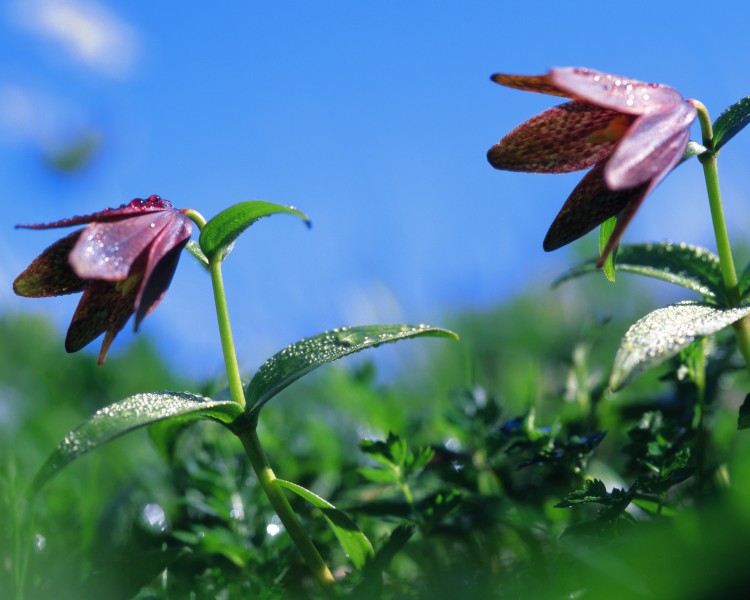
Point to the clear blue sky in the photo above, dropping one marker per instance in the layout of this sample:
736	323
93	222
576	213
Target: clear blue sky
373	118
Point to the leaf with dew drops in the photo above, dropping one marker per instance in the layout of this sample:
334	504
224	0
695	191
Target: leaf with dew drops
219	233
132	413
691	267
300	358
355	543
664	332
731	122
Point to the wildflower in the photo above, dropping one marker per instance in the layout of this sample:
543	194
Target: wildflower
123	262
630	133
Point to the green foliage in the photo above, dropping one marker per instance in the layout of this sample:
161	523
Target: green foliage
219	234
688	266
300	358
731	122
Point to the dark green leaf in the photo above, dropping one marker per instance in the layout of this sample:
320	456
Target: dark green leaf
605	232
300	358
352	540
743	421
220	232
731	122
691	267
129	414
593	490
127	577
664	332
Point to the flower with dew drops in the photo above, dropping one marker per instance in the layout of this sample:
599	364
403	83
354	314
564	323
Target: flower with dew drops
630	133
123	262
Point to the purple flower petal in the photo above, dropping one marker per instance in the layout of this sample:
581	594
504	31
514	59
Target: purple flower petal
134	207
50	274
163	257
614	92
591	203
569	137
107	250
652	147
530	83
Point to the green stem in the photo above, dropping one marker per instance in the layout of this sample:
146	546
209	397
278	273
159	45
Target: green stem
284	510
225	332
249	436
728	271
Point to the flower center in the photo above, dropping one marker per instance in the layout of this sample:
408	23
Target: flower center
614	130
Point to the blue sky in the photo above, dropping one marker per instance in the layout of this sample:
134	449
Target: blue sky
373	118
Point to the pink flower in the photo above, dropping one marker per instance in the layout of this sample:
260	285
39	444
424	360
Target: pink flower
630	133
123	262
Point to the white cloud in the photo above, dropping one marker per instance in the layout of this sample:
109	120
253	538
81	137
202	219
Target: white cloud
86	31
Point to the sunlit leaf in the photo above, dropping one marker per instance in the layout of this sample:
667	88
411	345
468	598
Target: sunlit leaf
132	413
300	358
691	267
605	232
356	545
731	122
220	232
664	332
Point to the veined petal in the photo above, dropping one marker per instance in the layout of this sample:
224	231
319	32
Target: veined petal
590	204
614	92
107	250
50	274
652	147
569	137
163	257
530	83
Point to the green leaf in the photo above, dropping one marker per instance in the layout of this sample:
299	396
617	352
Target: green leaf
125	578
743	420
664	332
219	233
132	413
195	249
352	540
605	232
691	267
731	122
300	358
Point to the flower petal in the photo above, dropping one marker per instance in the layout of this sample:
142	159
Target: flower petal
50	274
163	257
104	307
652	147
107	250
569	137
614	92
530	83
133	208
590	204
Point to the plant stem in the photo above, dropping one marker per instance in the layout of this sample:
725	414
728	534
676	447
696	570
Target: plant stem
284	510
225	332
728	272
248	434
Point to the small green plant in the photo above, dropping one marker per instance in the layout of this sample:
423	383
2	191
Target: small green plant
123	262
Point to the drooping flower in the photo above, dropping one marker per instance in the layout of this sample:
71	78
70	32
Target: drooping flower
123	262
630	133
